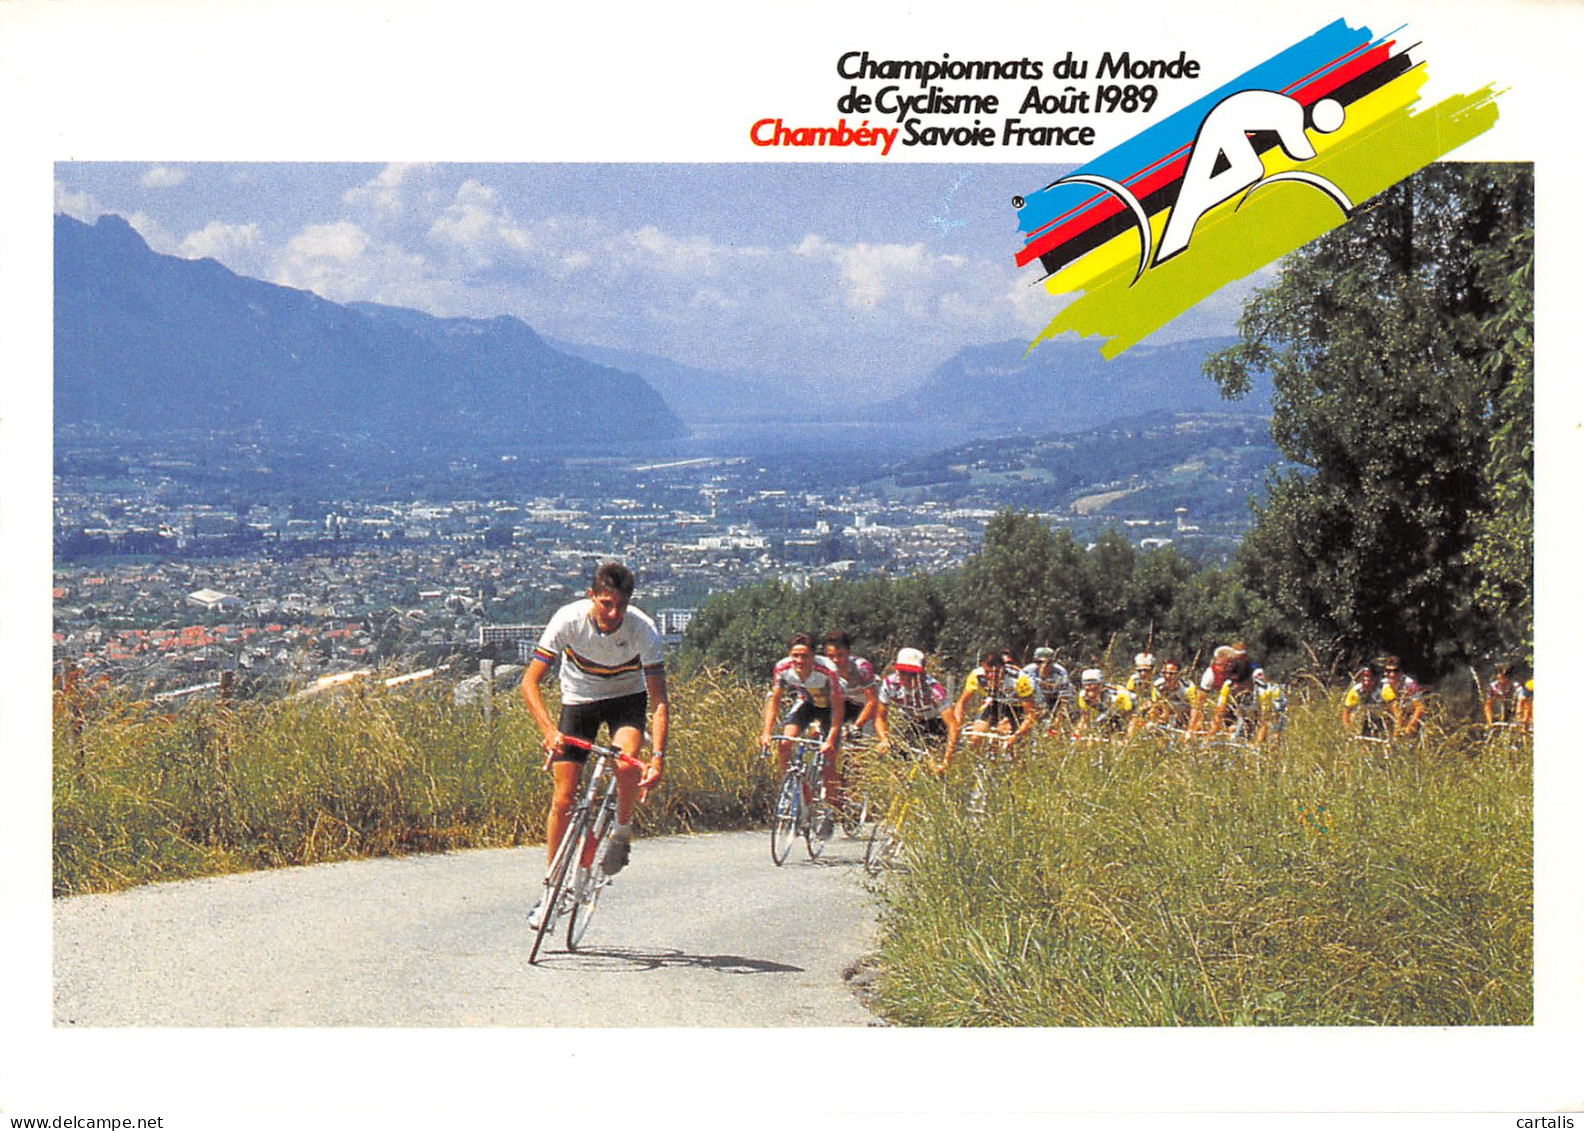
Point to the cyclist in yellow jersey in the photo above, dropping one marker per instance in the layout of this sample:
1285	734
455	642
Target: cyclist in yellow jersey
1173	703
1406	697
1101	707
1364	711
1009	705
1271	702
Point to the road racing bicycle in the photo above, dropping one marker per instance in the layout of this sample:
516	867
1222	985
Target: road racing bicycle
801	807
576	876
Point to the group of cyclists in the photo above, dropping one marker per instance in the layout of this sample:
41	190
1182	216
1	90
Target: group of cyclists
909	710
612	674
1232	701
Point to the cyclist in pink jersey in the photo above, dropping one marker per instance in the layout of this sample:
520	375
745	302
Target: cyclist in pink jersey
1507	700
859	685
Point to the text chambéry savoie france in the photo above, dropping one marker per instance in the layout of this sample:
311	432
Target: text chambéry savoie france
909	101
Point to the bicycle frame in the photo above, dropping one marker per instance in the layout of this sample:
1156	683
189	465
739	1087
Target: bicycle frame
885	846
592	816
792	815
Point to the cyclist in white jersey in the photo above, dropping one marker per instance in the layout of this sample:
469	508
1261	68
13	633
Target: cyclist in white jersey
1052	686
612	674
818	688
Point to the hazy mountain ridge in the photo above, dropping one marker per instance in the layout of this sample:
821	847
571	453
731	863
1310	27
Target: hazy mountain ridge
151	342
1005	388
1142	466
700	395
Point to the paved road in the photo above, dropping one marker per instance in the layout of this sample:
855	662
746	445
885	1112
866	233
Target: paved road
699	930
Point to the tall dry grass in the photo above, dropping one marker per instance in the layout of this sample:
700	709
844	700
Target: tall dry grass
1321	884
145	793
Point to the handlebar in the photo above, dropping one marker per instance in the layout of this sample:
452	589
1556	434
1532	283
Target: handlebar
622	758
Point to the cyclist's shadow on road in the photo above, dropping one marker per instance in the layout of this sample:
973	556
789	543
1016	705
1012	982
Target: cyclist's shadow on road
618	959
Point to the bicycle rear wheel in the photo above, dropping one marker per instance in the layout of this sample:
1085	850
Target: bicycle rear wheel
854	815
588	878
784	824
884	849
555	884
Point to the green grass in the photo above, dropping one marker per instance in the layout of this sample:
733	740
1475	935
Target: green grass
1317	886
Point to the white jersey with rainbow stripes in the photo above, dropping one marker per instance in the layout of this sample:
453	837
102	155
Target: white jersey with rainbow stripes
597	665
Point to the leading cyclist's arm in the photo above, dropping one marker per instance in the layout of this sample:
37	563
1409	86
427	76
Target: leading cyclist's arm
532	696
659	725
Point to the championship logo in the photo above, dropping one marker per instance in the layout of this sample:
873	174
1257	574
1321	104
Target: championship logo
1256	169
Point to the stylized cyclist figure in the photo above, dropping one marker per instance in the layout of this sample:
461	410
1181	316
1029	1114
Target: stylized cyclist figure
612	674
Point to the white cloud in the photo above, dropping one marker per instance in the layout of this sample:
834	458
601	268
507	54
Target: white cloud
78	205
343	263
401	198
162	176
228	243
870	274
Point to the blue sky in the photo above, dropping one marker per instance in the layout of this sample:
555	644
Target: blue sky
860	273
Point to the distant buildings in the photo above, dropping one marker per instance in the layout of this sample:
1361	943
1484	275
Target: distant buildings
213	601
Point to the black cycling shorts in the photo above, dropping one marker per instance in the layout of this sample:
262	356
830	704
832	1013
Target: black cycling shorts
806	712
583	720
996	712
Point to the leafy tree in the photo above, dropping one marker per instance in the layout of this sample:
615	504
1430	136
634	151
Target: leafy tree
1388	343
1010	592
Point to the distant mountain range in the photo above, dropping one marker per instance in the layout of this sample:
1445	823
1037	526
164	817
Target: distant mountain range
1065	386
151	342
700	395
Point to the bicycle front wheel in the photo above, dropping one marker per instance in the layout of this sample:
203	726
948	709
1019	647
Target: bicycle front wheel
588	878
784	824
555	884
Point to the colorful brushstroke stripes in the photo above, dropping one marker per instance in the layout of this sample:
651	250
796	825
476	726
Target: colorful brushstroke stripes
1090	241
